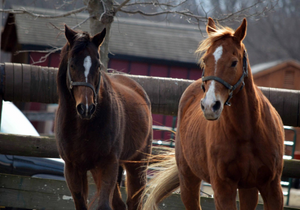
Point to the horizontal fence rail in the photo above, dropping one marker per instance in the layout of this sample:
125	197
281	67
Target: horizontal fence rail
28	83
46	147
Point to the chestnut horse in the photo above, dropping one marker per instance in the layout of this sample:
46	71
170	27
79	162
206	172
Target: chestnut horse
232	147
102	122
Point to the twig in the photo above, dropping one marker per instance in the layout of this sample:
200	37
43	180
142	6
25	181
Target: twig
43	58
64	4
82	22
121	5
236	14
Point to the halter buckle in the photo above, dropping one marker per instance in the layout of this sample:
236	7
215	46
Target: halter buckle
71	85
229	97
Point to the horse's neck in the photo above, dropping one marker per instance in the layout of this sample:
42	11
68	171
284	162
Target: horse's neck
242	115
63	92
106	89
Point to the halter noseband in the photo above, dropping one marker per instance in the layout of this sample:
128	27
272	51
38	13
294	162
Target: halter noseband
226	84
72	84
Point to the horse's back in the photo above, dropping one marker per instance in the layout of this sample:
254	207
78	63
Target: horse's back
126	84
138	119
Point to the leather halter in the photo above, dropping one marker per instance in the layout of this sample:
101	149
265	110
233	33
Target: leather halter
230	88
72	84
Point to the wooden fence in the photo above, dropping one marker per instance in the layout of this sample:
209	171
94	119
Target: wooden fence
26	83
46	147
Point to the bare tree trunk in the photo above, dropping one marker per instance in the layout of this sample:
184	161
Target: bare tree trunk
102	15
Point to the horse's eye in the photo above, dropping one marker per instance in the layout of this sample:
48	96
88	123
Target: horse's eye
233	64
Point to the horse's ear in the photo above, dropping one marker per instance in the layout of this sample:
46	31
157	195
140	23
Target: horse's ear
70	35
241	31
99	38
211	26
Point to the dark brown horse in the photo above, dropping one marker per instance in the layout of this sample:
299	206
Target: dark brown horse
102	122
232	147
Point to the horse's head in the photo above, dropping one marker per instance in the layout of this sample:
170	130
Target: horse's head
224	63
83	70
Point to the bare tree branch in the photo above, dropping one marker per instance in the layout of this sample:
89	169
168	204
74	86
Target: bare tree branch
121	5
153	3
186	13
24	11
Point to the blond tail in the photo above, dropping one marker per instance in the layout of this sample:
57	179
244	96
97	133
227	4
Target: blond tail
162	185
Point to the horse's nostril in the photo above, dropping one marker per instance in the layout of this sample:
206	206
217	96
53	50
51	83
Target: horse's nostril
81	109
92	108
217	106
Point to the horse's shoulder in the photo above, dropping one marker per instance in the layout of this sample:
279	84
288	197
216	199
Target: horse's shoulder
190	97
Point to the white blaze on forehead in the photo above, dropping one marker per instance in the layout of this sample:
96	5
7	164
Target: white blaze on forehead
210	94
217	54
87	63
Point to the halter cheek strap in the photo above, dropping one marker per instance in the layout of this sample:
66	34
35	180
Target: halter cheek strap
72	84
230	88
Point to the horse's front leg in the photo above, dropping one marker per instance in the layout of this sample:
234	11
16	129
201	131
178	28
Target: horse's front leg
78	185
272	195
224	193
105	176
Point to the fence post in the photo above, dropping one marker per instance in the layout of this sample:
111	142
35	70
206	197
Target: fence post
2	75
0	110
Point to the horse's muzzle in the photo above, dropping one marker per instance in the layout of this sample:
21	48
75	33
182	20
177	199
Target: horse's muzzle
86	111
211	111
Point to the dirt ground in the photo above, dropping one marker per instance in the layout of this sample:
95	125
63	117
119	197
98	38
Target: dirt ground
294	196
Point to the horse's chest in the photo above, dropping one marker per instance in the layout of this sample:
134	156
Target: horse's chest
245	169
86	146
